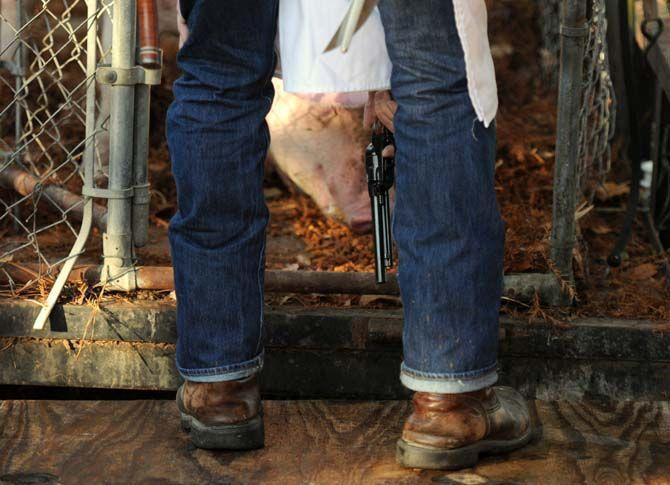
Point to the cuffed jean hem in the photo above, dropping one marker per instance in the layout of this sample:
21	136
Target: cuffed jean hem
224	373
448	384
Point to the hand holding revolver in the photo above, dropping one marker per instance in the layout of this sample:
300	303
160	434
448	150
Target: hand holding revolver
380	107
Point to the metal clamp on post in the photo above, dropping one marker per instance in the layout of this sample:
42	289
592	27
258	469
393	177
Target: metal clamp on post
141	194
582	31
106	74
107	193
153	71
118	278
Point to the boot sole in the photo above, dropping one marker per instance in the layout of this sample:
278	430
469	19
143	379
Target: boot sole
415	456
249	435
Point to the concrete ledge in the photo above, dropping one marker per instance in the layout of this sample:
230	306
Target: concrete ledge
328	352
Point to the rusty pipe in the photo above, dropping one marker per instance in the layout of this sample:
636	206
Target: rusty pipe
328	282
276	281
518	287
147	19
25	183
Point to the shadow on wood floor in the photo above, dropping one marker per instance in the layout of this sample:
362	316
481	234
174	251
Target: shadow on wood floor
318	442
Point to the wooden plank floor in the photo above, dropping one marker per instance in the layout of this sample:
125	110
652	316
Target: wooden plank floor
318	442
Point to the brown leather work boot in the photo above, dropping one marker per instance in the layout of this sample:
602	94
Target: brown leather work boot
222	415
450	431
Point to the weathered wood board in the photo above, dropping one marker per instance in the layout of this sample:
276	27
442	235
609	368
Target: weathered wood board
320	442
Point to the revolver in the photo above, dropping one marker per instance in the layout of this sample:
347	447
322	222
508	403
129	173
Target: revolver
380	172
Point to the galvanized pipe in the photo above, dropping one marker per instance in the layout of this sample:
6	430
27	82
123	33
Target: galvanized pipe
141	197
574	31
117	243
20	76
19	85
150	57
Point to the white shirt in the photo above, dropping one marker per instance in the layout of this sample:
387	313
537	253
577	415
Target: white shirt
307	26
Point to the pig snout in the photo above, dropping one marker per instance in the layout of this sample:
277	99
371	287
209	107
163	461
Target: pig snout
351	195
318	144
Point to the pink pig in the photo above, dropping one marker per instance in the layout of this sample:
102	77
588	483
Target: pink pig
318	140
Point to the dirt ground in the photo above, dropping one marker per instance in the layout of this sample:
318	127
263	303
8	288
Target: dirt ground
301	238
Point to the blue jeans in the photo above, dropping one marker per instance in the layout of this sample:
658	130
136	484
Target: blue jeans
447	223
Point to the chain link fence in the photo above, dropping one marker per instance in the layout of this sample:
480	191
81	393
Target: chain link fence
45	75
45	115
598	113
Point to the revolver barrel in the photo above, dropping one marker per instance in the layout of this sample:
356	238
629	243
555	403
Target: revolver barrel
380	173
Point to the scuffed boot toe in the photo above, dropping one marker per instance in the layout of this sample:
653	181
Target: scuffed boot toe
451	431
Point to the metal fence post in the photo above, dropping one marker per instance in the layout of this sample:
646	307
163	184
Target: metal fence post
19	69
117	240
574	31
141	198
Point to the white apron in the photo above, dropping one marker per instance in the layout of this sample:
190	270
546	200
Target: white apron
308	27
